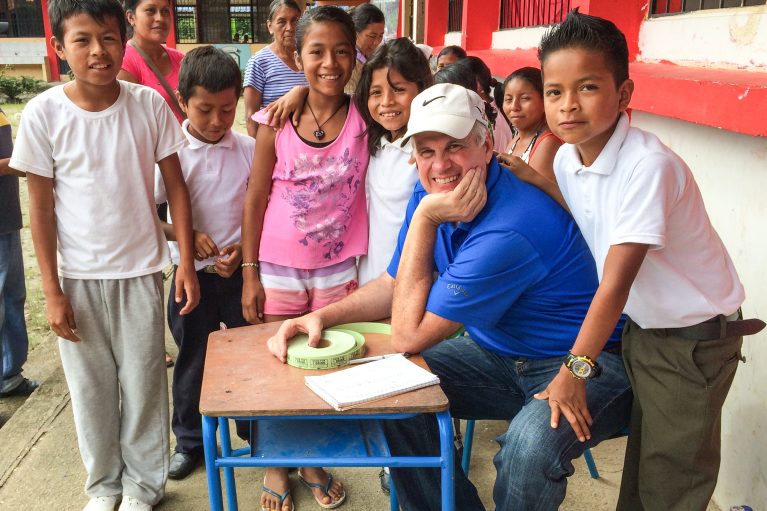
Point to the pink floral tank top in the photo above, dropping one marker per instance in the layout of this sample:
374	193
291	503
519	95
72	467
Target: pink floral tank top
316	215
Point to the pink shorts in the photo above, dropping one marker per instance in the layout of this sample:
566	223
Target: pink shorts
292	291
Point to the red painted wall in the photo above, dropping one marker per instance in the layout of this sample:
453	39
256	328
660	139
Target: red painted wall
435	24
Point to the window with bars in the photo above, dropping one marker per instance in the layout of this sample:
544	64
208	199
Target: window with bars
24	17
663	7
222	21
454	15
532	13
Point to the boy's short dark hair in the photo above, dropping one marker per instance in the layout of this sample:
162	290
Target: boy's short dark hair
61	10
210	68
590	33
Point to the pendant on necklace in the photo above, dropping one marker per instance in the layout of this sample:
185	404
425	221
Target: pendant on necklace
319	134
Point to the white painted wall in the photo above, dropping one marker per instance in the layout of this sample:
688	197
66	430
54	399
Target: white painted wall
453	38
735	38
731	171
518	39
22	51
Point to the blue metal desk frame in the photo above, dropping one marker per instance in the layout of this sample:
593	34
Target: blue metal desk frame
241	457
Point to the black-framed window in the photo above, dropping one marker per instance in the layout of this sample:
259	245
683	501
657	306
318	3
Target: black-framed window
664	7
24	17
222	21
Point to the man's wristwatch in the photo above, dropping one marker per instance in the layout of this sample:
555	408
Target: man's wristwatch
582	367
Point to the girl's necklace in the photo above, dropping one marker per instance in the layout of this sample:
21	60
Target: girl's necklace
319	133
529	146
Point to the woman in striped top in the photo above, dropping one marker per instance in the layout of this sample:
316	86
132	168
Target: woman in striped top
272	71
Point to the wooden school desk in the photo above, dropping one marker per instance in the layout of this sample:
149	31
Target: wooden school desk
243	380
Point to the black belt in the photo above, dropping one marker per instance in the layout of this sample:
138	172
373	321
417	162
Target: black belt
718	327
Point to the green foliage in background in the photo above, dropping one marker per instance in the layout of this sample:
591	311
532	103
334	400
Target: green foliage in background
13	87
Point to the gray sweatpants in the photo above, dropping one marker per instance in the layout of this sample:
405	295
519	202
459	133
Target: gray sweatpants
118	384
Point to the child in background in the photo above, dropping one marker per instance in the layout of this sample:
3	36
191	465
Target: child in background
449	55
393	76
304	222
486	84
533	144
216	165
104	297
659	259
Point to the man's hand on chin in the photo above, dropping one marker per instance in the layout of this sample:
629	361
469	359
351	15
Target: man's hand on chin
462	204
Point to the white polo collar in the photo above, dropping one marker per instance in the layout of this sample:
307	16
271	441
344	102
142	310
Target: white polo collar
406	148
195	143
608	158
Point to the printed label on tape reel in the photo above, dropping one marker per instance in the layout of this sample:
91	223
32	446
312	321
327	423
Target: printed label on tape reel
339	348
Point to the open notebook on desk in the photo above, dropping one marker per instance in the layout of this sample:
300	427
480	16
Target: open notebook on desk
369	382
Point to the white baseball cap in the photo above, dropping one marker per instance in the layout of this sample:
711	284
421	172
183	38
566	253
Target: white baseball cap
445	108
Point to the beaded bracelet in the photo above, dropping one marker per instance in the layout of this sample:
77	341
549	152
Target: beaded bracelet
251	265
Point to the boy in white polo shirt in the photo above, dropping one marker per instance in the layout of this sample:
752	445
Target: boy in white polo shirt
216	166
89	149
659	260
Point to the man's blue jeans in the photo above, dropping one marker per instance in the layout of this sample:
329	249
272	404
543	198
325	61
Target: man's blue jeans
534	460
14	343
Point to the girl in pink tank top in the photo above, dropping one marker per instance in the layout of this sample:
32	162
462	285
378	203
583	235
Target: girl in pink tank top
533	145
305	219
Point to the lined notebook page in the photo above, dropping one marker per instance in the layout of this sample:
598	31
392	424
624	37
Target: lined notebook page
370	381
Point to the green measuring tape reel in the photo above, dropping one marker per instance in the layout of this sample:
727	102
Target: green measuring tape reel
340	346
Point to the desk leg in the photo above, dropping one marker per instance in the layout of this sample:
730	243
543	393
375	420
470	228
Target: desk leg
448	467
214	478
393	501
226	451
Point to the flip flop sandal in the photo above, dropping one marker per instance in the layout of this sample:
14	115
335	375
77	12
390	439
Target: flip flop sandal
324	487
281	498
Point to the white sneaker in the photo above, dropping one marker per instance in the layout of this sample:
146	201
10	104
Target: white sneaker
101	504
133	504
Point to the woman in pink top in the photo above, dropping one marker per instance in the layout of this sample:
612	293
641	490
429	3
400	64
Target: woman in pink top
305	220
150	21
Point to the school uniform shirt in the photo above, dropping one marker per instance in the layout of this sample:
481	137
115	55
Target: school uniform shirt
640	191
389	185
102	166
217	178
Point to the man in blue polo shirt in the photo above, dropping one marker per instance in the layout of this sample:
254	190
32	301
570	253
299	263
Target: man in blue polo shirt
514	270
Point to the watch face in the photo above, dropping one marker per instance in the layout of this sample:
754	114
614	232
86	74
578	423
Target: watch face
581	368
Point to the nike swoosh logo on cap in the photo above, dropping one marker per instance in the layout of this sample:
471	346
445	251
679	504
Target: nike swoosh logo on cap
432	99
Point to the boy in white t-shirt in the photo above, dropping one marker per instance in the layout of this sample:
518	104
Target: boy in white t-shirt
216	165
89	148
658	259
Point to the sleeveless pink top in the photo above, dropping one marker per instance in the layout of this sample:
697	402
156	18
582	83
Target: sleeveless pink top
316	215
